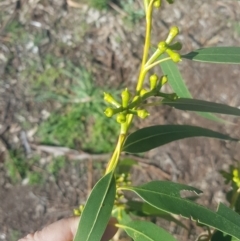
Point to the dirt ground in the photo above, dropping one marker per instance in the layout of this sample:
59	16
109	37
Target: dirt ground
110	47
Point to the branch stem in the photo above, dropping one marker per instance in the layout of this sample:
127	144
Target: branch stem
148	67
146	45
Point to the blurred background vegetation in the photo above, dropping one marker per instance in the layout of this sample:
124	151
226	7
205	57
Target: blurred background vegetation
51	79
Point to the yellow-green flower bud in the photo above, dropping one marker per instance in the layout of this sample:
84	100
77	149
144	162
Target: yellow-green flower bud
174	31
142	114
162	46
76	212
81	207
109	112
153	81
236	177
157	4
174	55
121	118
109	98
163	80
125	98
143	92
177	46
136	99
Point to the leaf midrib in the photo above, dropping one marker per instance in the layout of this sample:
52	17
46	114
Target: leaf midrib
212	54
175	77
134	230
177	199
178	103
100	208
165	133
201	105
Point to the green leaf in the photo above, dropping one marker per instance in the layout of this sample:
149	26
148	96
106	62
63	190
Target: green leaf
220	236
146	231
202	106
178	85
166	196
121	216
226	55
125	165
97	211
175	79
143	209
151	137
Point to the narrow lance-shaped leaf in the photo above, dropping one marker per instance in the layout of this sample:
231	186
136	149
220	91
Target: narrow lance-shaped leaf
146	231
143	209
97	210
201	105
151	137
178	85
175	78
220	236
167	196
222	55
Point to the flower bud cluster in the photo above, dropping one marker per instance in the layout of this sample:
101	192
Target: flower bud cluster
165	46
127	107
122	180
78	211
156	83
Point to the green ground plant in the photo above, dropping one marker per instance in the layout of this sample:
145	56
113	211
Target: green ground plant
80	112
133	14
57	164
14	235
108	195
19	167
98	4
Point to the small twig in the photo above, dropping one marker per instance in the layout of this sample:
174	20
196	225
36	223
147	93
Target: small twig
148	67
74	4
83	156
70	153
23	138
117	9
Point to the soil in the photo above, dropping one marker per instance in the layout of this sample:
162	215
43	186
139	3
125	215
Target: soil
111	48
